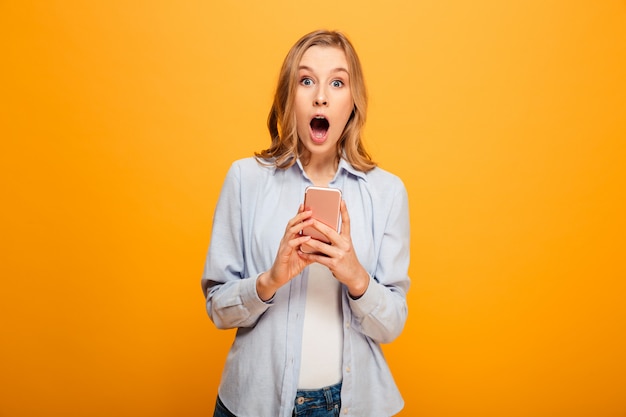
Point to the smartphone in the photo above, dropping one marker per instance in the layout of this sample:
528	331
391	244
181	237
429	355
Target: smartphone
325	203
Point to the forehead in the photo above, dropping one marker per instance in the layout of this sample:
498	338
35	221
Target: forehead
321	58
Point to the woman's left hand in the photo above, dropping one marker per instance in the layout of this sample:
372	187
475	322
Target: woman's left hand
339	255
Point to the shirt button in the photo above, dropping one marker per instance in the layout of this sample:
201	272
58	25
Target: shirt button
347	369
345	411
300	400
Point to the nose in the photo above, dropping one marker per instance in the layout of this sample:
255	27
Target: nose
320	98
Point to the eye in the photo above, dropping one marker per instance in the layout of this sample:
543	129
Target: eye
306	81
337	83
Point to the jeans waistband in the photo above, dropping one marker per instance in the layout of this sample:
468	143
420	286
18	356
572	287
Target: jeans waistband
327	397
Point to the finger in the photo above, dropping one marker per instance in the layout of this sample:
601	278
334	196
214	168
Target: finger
298	227
316	250
302	216
297	242
330	233
345	219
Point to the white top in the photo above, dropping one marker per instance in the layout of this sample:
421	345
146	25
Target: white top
322	337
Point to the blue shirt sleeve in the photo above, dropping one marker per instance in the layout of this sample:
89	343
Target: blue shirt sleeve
382	310
231	297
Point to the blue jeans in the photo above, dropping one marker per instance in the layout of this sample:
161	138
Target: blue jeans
221	410
325	402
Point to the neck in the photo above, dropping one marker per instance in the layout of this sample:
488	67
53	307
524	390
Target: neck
321	172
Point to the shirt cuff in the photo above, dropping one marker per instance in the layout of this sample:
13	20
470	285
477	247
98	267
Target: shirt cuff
369	301
256	294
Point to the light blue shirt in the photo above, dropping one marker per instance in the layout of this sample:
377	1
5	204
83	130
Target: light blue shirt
260	376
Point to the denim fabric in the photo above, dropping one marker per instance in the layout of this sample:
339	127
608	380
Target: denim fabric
221	410
325	402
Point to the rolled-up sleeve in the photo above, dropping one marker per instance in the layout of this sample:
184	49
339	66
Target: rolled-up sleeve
231	297
382	311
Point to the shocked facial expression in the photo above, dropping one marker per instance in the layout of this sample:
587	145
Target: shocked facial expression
323	100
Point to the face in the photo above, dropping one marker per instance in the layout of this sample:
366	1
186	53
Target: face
323	100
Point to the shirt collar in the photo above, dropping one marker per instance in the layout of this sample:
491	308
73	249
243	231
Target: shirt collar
346	166
343	166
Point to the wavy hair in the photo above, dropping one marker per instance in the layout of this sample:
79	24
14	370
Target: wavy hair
285	147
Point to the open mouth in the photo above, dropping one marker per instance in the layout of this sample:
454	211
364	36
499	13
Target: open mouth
319	127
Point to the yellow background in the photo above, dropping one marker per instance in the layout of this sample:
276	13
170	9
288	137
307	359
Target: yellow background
506	120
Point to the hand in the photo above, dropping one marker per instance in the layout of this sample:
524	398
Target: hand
288	263
339	256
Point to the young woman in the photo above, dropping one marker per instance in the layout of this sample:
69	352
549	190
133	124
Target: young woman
309	326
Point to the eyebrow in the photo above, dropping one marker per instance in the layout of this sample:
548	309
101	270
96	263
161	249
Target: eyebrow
338	69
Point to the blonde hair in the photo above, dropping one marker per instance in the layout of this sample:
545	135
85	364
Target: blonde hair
281	122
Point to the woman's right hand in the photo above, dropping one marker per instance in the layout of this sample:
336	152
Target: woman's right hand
288	262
